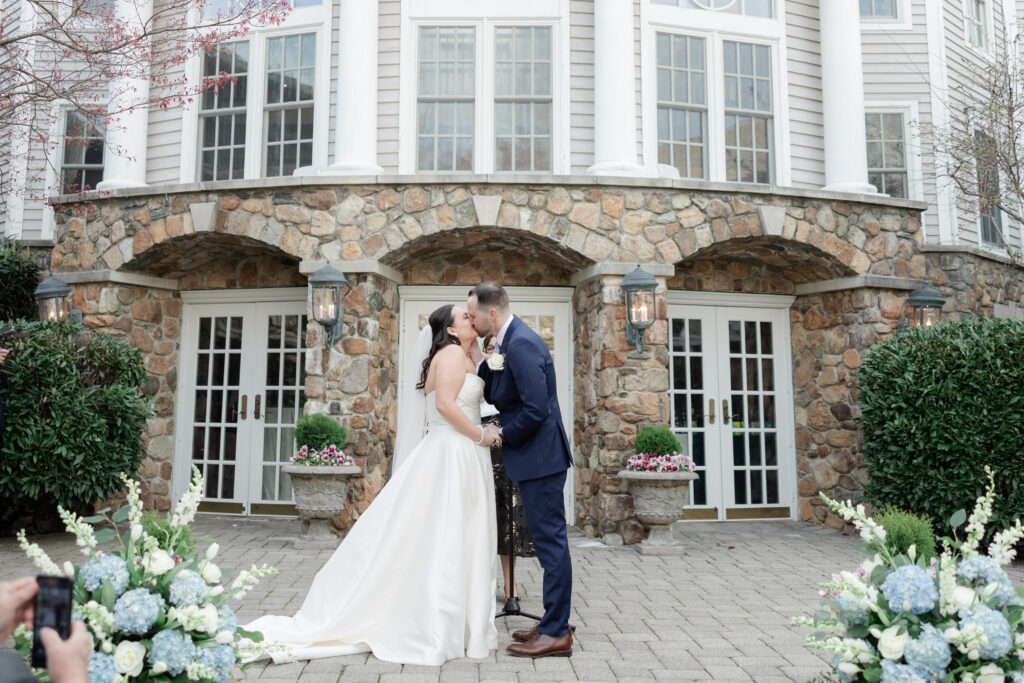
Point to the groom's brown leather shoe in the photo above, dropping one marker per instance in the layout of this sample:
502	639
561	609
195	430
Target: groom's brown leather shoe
543	646
525	635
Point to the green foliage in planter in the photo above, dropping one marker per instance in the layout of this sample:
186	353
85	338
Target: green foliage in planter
19	276
939	403
319	431
75	416
904	529
658	440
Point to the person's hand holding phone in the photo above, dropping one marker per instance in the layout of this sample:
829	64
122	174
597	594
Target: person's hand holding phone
67	661
16	604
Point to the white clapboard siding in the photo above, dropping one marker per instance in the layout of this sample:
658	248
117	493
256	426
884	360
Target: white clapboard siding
803	57
581	85
388	55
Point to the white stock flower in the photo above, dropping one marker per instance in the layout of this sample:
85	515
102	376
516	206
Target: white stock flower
209	617
1002	547
129	657
158	562
189	503
211	552
225	637
990	673
85	537
38	556
158	667
891	642
210	573
136	532
848	668
216	590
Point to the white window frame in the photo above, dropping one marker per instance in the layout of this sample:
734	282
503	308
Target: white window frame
317	20
903	21
1003	225
484	16
708	25
988	25
911	140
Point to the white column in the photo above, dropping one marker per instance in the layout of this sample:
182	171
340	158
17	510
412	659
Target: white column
355	129
842	88
124	158
615	149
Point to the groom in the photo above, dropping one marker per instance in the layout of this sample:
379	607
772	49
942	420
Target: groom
519	380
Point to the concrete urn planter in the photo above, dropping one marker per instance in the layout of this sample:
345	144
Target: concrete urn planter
658	498
320	493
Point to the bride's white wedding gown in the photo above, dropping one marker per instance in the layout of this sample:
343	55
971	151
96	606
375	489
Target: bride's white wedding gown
413	581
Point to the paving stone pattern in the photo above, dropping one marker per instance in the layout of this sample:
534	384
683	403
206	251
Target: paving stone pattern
720	612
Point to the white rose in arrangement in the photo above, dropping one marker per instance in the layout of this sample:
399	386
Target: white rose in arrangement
990	673
496	362
211	552
158	667
891	642
129	657
158	562
210	573
962	597
209	615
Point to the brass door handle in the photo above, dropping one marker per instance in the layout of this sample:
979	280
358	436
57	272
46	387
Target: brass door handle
726	417
256	408
245	404
711	408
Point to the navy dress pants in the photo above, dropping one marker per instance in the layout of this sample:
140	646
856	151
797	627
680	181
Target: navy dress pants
545	514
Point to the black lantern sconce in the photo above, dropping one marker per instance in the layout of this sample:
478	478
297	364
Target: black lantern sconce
922	308
54	299
638	288
327	285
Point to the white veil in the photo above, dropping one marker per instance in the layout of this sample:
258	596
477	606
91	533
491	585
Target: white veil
412	403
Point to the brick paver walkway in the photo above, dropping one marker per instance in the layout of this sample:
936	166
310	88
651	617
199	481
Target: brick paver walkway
719	612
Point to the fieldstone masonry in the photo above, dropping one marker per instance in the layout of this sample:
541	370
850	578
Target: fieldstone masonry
560	234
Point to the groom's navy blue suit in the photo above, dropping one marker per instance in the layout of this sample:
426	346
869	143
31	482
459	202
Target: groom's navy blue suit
537	454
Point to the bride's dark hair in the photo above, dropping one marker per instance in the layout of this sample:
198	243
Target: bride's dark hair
440	320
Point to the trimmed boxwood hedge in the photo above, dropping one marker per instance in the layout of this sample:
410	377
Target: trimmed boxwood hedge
75	417
939	403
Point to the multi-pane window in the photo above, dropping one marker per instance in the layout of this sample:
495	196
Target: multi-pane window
522	99
879	9
682	104
446	99
990	217
224	9
747	87
222	113
288	112
887	158
750	8
974	16
82	167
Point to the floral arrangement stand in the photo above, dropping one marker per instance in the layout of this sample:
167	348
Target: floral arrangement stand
320	484
658	485
156	610
899	618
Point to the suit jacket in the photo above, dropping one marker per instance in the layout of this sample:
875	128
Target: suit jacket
534	441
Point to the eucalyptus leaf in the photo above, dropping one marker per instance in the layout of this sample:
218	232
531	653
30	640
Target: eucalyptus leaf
105	535
121	514
254	636
957	518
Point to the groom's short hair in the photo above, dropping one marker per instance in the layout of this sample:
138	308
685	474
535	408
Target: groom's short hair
490	295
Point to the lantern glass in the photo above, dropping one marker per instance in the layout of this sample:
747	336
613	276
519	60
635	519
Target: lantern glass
325	304
54	308
928	316
640	308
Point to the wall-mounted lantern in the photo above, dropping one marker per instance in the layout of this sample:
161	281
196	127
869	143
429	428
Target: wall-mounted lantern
327	285
638	288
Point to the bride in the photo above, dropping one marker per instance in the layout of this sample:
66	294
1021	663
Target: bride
413	581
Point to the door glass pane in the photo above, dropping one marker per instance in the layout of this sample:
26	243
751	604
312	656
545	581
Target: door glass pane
284	393
216	397
688	398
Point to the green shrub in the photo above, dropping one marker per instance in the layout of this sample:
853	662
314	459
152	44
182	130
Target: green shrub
939	403
75	417
319	431
658	440
904	529
19	275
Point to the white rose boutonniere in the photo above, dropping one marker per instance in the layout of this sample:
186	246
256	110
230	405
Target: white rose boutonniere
496	362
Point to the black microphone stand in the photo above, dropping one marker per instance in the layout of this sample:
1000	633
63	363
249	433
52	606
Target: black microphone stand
511	608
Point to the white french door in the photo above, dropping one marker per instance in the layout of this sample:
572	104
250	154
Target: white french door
730	386
547	311
241	390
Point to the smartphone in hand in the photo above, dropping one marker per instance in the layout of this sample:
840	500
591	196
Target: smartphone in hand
52	609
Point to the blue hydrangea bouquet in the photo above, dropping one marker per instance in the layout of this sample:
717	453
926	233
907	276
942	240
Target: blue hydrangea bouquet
898	618
156	613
